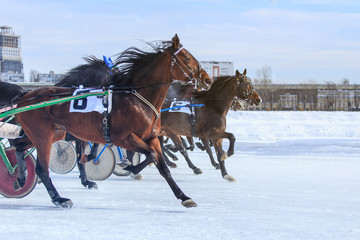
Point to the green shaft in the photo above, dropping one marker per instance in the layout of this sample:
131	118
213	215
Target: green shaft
4	157
50	102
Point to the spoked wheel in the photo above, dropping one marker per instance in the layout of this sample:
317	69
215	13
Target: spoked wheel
102	167
118	170
62	157
7	180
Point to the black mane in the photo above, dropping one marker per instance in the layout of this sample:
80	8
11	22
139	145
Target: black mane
133	60
93	74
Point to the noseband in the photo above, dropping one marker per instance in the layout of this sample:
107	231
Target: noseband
189	74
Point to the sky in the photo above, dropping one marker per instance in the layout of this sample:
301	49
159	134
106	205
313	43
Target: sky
301	41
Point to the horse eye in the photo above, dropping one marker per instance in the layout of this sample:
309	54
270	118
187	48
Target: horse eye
187	59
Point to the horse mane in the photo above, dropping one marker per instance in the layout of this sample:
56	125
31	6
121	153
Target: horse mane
10	93
94	73
131	61
219	83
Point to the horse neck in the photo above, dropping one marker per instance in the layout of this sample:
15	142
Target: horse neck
221	97
156	79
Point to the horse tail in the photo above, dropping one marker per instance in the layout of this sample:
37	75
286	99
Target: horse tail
10	93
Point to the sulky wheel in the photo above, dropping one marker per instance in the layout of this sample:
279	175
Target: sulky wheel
101	167
7	180
62	157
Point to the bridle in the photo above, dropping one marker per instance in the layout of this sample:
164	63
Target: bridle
189	74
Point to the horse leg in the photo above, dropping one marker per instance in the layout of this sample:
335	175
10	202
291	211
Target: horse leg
93	152
220	152
218	134
232	139
191	142
135	144
167	153
177	141
42	170
164	171
130	157
42	136
209	152
22	170
79	146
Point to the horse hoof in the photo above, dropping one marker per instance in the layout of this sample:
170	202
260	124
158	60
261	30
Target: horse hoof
189	203
229	178
173	165
230	153
136	176
175	159
63	202
91	185
217	166
197	171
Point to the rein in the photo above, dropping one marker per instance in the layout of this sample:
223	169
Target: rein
146	102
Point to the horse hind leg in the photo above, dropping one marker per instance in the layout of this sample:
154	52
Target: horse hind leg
210	153
167	153
55	197
177	141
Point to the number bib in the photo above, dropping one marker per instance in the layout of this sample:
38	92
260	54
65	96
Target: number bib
89	104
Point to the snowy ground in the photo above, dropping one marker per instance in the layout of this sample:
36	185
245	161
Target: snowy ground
298	177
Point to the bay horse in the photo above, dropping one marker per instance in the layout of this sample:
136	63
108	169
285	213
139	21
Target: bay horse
139	89
210	123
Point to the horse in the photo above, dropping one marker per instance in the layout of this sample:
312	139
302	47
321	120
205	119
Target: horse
92	74
139	89
217	102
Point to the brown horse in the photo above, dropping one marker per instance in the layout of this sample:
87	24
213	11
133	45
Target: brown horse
139	89
210	120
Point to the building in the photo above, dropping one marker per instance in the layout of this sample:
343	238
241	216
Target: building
215	69
11	66
50	77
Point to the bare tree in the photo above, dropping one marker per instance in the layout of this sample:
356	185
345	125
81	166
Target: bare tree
345	81
263	78
33	75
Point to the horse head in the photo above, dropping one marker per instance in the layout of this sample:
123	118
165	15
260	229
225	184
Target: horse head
245	89
186	64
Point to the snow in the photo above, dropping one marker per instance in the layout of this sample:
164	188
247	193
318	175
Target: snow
298	176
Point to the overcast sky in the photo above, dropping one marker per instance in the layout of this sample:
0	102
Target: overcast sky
301	40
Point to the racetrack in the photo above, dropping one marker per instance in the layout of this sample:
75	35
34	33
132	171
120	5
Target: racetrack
297	184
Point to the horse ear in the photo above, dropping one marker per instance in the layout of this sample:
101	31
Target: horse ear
244	73
237	73
176	41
